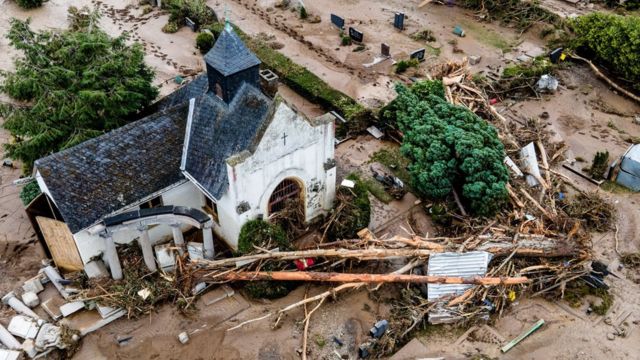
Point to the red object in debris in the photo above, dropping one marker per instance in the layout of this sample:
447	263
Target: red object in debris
302	264
493	101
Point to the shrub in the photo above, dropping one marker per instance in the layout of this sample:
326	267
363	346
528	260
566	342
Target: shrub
204	41
262	234
345	40
303	13
611	40
170	27
403	65
29	4
29	192
450	148
599	165
196	10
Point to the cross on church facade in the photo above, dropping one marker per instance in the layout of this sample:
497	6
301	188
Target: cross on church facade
284	138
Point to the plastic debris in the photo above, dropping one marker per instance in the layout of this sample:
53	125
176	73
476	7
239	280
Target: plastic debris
379	328
547	82
183	337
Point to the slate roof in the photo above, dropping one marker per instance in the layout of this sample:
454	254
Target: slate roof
229	55
219	131
101	175
195	88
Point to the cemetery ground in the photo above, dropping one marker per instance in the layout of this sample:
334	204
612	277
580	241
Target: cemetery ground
585	113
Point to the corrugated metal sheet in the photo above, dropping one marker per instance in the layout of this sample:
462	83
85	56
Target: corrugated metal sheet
455	264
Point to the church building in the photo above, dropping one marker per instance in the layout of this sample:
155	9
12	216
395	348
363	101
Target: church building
218	145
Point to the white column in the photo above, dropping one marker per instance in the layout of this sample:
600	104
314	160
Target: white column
147	250
17	305
207	236
8	340
178	238
111	255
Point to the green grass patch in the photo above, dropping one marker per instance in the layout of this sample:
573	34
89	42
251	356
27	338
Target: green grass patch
538	67
614	187
577	290
487	36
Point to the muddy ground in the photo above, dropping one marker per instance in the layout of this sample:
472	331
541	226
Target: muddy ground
584	113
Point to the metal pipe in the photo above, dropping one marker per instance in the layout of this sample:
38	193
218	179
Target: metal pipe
17	305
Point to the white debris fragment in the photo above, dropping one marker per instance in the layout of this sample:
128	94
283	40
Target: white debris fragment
144	293
33	285
30	299
183	337
348	183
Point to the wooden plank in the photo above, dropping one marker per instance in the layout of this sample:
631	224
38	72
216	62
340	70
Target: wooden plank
425	2
61	244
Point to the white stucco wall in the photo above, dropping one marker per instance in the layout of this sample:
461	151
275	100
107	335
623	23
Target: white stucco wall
300	155
185	194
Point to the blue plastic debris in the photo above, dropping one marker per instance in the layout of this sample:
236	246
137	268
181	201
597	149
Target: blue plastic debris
458	31
379	328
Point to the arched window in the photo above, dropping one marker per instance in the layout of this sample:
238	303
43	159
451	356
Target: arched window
287	189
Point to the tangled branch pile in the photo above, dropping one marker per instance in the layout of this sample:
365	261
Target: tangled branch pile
516	13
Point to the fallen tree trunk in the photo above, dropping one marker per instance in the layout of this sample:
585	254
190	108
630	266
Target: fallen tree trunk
602	76
367	278
524	245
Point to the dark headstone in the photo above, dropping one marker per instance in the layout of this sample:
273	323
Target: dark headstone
398	21
385	50
356	35
418	54
337	21
191	24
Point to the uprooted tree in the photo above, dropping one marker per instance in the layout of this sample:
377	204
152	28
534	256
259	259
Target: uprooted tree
611	40
450	148
73	85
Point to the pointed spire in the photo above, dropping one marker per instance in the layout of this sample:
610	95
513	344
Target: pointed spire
227	23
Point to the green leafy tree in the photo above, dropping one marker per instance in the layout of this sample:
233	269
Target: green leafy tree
613	40
450	148
29	4
73	85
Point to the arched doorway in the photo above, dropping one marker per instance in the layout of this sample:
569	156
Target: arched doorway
289	190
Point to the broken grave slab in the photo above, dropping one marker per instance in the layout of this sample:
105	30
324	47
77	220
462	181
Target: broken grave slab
71	307
23	326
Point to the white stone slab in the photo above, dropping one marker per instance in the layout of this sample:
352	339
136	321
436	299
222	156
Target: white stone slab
71	307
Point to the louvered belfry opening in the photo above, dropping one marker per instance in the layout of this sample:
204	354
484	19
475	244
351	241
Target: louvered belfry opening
286	190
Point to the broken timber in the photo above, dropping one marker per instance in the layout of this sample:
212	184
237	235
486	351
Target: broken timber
368	278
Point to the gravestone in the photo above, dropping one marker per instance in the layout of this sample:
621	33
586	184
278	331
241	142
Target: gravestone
398	21
337	21
356	35
385	50
418	54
